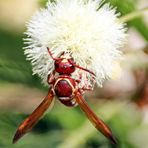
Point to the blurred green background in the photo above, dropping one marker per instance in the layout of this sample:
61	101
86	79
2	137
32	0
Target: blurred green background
122	103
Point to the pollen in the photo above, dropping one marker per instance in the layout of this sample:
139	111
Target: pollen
89	31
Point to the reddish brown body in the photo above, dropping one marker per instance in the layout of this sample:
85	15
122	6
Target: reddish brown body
64	87
67	91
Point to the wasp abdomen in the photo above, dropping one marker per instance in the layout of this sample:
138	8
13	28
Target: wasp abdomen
64	87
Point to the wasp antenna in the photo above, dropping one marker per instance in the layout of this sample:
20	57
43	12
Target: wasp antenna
50	53
74	64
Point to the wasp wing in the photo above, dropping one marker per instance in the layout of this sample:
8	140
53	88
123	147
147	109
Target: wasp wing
29	122
98	123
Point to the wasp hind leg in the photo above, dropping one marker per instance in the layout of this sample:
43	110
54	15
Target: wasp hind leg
96	121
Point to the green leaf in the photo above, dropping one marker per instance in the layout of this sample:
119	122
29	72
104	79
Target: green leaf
129	6
13	65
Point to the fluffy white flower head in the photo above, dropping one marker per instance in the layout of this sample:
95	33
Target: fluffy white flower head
92	36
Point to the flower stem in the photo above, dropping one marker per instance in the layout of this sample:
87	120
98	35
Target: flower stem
133	15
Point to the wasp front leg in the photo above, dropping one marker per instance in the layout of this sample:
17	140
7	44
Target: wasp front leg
51	78
86	87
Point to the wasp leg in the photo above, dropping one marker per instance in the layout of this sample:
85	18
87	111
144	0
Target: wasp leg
98	123
29	122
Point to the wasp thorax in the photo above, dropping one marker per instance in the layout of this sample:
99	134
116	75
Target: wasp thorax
63	66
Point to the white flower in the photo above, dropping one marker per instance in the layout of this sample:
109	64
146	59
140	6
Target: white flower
91	34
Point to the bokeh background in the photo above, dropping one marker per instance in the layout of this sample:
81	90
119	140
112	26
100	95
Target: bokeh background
122	102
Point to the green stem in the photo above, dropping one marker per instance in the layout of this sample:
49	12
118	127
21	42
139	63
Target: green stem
133	15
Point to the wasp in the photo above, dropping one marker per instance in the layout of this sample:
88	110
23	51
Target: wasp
68	92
